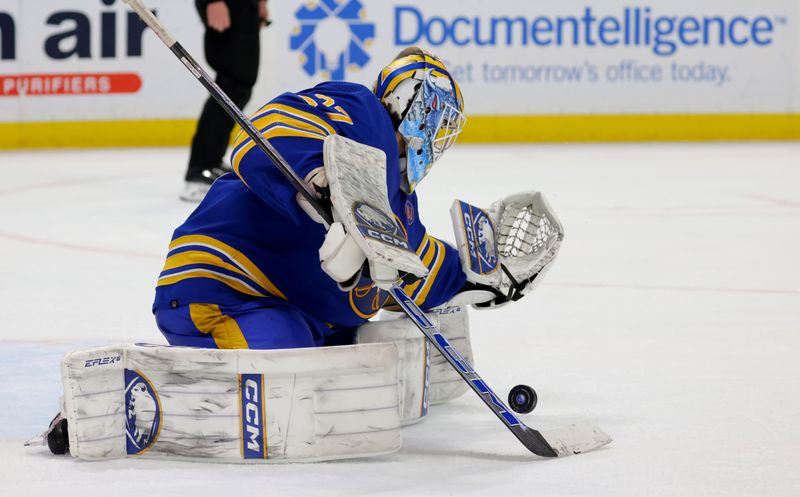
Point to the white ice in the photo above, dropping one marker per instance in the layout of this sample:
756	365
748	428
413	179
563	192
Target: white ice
671	320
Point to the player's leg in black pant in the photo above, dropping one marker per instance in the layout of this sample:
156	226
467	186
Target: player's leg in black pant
234	56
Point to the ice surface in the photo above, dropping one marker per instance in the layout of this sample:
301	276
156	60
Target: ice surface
671	320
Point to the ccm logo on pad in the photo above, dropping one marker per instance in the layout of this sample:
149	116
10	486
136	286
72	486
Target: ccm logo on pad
253	417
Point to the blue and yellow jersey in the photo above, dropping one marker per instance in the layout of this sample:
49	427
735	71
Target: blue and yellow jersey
250	240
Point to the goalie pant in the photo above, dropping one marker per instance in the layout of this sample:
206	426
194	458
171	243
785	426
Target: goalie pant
303	405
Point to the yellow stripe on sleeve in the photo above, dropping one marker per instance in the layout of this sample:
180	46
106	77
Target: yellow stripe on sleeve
232	282
289	122
303	115
341	116
200	257
410	289
437	264
279	131
239	134
238	258
296	117
429	250
293	122
273	133
225	331
431	247
423	244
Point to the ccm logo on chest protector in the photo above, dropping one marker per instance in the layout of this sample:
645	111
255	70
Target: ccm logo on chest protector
253	417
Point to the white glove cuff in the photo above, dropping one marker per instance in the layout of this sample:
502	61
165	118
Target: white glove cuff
308	209
383	276
339	254
314	179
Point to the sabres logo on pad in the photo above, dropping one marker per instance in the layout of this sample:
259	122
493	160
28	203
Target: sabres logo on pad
374	223
143	414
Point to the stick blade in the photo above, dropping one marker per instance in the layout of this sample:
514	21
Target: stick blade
575	438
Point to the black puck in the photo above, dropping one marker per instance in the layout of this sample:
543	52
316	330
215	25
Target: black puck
57	436
522	399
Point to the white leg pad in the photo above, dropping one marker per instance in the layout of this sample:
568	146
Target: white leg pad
295	405
425	376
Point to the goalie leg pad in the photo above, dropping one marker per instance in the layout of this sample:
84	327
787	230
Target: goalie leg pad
292	405
426	378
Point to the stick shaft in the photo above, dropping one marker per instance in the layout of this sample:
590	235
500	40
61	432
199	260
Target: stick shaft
529	437
216	92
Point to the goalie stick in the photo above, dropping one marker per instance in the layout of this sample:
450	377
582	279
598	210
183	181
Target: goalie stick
572	439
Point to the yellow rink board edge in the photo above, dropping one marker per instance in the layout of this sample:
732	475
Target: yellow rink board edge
479	129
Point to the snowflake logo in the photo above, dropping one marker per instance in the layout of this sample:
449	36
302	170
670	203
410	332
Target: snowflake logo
332	37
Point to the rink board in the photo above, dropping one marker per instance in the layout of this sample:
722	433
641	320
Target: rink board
91	75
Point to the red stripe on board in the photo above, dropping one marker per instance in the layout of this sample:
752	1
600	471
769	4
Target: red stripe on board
33	85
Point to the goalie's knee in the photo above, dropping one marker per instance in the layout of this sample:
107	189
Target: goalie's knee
425	376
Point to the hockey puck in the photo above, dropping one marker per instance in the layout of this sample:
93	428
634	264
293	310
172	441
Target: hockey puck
522	399
58	437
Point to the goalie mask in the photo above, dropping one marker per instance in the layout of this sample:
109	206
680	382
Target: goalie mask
426	106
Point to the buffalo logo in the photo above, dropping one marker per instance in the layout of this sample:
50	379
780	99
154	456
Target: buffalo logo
487	251
374	218
374	224
332	36
143	412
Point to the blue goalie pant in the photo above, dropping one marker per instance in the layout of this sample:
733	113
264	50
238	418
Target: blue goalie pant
264	324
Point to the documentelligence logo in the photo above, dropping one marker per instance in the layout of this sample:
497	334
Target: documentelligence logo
332	37
664	34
